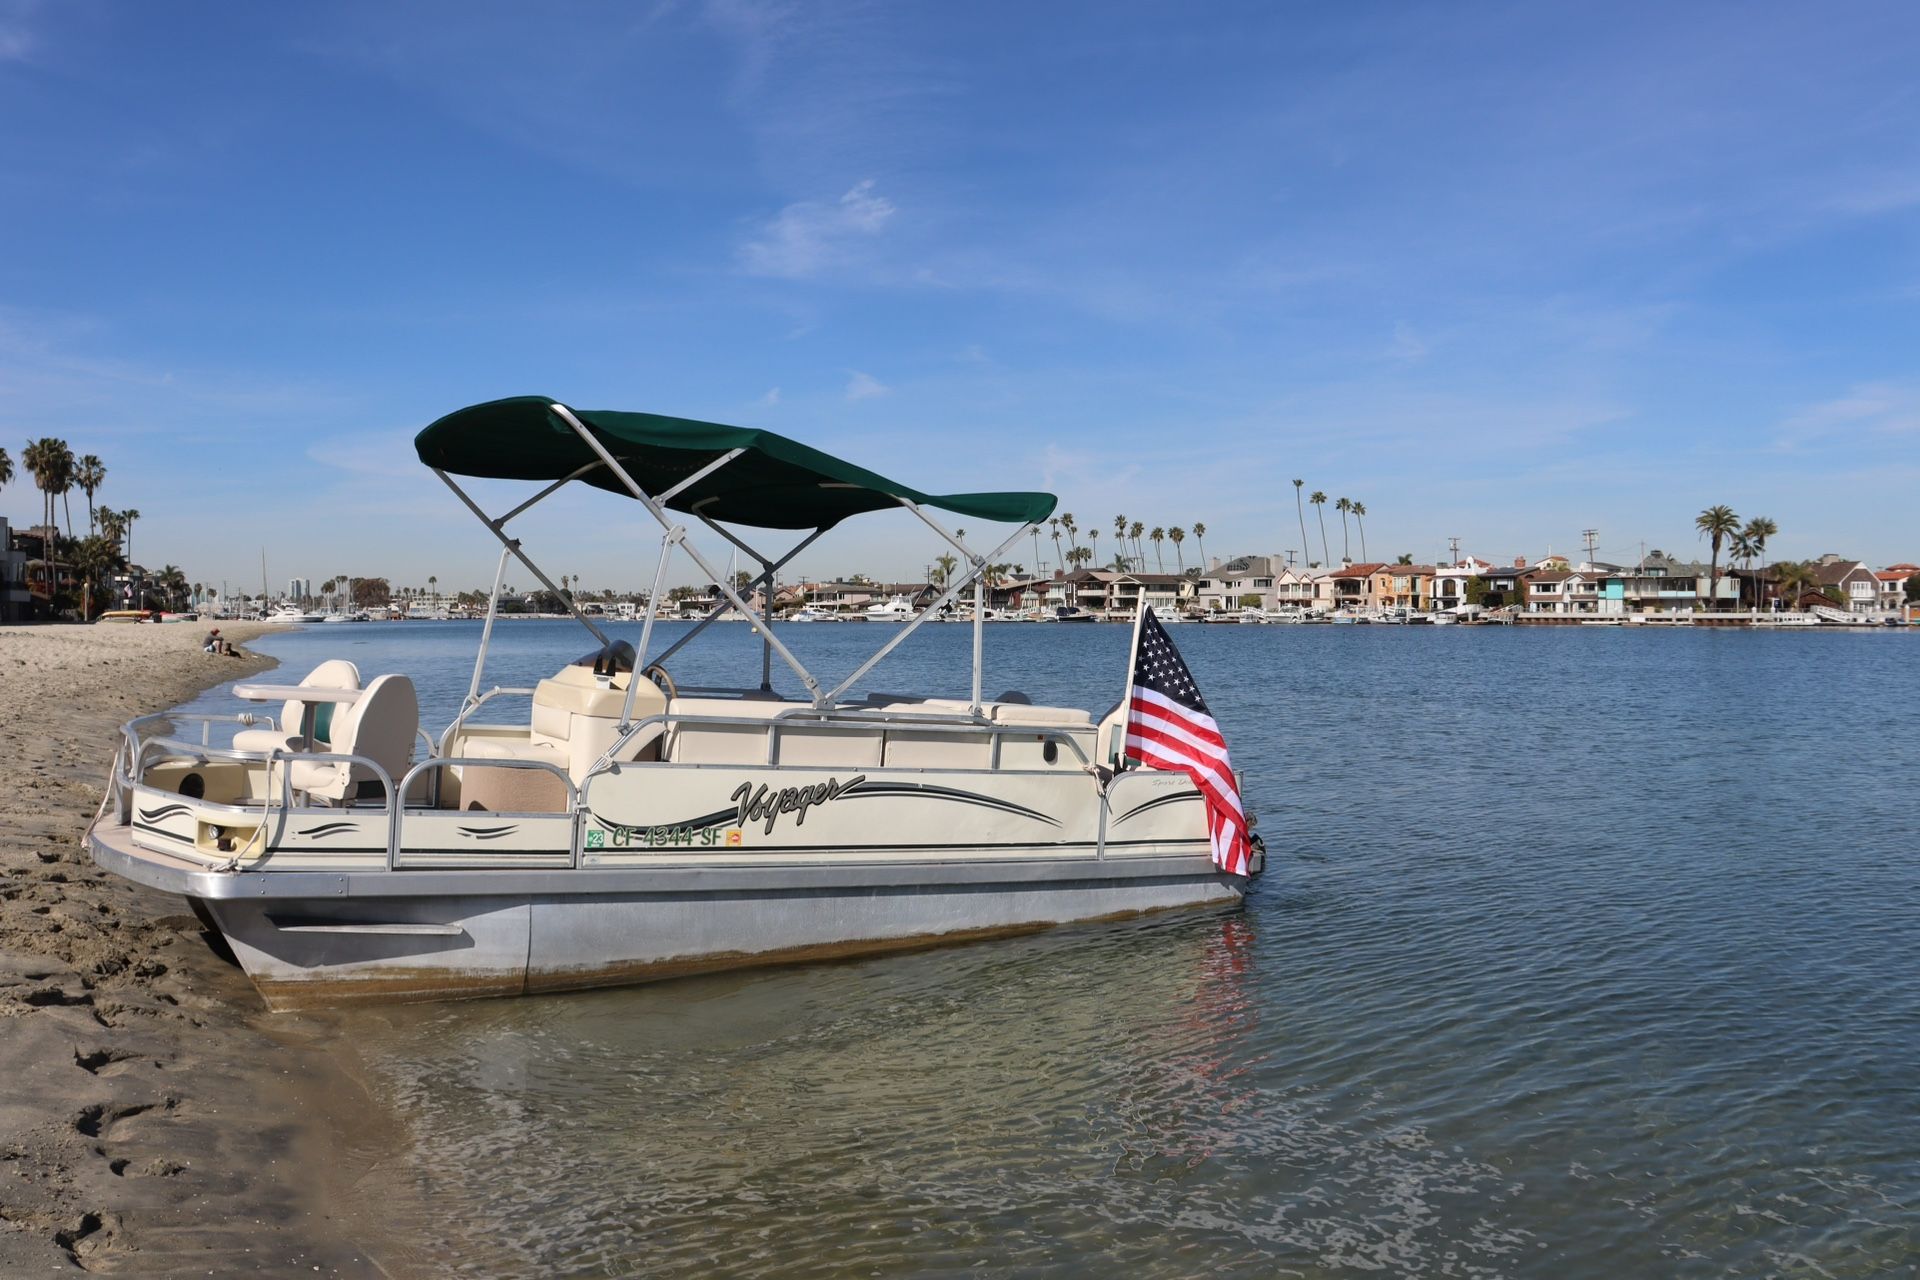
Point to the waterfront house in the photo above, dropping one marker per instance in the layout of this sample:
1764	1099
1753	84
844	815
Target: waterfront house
1450	581
1546	590
1403	586
1662	584
1850	581
1242	582
1504	586
1893	589
1349	586
1293	589
16	601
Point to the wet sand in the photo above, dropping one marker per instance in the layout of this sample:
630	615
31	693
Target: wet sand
154	1121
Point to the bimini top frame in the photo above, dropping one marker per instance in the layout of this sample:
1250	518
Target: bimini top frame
716	474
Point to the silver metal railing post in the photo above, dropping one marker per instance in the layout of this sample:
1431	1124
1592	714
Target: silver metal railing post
486	632
646	628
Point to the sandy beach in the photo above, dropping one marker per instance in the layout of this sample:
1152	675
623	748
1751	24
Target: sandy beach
154	1121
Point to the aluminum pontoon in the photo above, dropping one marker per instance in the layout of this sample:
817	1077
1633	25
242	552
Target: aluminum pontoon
632	828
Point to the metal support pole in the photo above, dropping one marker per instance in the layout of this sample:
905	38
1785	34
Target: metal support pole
646	628
659	513
979	630
486	632
770	567
513	547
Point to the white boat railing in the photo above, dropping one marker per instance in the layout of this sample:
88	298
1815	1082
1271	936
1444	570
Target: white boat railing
131	764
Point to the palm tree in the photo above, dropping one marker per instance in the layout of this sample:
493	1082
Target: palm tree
1359	521
1038	562
1319	501
433	584
1758	530
1302	512
1178	535
1093	544
1066	522
174	583
1742	550
1792	578
1343	506
6	469
1055	522
90	475
944	566
1717	523
1156	538
1139	555
112	526
127	518
1120	531
93	559
1199	537
43	459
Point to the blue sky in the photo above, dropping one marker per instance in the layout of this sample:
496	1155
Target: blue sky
1501	271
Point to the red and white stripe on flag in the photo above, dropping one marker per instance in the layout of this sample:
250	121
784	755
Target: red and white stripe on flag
1165	734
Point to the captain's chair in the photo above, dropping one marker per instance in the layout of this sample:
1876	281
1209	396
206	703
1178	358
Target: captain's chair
380	726
335	673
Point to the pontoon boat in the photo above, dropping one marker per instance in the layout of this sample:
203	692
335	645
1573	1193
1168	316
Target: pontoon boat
632	827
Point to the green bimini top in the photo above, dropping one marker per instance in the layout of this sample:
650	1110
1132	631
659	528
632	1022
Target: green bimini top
776	484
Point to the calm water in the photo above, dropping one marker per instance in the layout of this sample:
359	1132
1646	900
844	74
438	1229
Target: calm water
1580	953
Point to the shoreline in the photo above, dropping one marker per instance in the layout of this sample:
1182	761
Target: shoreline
154	1122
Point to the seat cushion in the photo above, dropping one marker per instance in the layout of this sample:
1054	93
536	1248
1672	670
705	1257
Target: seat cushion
514	749
1020	713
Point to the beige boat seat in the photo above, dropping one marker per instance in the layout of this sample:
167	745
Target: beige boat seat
910	748
721	743
335	673
381	726
576	718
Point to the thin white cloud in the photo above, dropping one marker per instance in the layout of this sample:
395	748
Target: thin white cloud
1869	409
810	237
770	399
864	386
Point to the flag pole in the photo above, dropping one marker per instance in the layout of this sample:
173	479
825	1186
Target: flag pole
1126	695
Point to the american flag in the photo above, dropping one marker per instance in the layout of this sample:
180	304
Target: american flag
1169	727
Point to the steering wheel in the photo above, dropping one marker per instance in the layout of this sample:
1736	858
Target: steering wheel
658	674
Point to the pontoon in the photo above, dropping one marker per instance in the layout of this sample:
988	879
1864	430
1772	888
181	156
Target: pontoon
631	827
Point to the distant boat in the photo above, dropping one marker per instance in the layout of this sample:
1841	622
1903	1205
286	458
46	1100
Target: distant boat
898	609
1072	613
810	614
292	613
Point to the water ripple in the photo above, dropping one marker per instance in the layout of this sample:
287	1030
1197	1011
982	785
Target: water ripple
1581	955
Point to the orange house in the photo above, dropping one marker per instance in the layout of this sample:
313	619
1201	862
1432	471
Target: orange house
1403	586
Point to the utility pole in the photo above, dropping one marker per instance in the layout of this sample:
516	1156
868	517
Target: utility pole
1290	558
1590	535
1453	544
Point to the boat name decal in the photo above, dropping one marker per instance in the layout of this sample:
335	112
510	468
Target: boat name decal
766	804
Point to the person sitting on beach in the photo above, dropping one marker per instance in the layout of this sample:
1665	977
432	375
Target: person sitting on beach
216	645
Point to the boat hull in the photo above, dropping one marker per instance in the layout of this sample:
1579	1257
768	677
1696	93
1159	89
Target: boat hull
324	938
